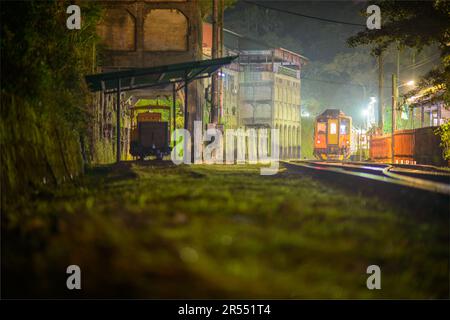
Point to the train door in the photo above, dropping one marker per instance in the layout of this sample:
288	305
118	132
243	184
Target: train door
344	135
333	135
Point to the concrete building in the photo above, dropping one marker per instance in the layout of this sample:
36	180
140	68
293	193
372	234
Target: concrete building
148	33
262	89
270	95
228	81
136	34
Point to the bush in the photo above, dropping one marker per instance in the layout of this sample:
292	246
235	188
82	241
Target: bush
44	97
444	132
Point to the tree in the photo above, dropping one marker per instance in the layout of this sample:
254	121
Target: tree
414	24
44	98
444	132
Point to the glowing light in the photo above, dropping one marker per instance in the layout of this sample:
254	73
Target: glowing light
333	128
409	83
412	99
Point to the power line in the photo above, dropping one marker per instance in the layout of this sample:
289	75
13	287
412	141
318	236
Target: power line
421	63
304	15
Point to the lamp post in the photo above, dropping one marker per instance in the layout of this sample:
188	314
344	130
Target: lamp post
368	113
394	105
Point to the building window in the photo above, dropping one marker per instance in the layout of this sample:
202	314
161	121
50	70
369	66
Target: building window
165	30
117	30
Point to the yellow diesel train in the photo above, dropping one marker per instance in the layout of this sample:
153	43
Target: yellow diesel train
332	135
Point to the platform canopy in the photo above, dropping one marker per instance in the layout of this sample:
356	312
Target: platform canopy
139	78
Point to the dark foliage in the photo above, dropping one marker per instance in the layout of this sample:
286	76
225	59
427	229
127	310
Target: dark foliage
43	95
414	24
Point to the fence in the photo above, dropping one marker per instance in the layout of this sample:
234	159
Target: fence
417	146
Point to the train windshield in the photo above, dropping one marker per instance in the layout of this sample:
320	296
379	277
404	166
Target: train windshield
343	129
333	128
321	127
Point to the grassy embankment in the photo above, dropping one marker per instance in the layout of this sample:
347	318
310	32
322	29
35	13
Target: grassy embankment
218	231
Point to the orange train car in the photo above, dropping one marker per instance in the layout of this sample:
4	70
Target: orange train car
332	135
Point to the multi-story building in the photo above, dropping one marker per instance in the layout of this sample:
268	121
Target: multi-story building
270	95
262	89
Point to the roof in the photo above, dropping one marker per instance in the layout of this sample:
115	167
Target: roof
332	113
261	45
431	94
138	78
294	53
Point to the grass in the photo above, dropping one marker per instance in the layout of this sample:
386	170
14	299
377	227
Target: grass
155	231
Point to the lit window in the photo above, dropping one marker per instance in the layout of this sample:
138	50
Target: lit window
321	127
333	128
343	129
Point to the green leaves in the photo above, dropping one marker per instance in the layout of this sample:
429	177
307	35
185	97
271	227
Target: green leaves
44	98
411	23
414	24
444	132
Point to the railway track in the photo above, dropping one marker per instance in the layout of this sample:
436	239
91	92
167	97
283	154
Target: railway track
415	190
430	180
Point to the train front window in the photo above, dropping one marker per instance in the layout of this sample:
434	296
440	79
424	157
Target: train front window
333	128
343	128
321	128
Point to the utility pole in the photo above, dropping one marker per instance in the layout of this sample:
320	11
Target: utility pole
380	91
214	52
414	77
118	115
220	55
393	109
398	80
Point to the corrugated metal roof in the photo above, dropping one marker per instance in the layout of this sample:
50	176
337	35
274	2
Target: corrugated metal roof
138	78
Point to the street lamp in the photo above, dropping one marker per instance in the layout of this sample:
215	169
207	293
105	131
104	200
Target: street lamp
368	113
395	88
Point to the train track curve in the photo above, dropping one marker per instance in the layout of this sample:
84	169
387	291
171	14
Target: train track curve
412	188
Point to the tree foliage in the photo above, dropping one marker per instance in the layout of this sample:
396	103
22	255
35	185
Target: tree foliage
44	111
444	132
415	24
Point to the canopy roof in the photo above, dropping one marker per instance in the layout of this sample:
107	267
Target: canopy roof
138	78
